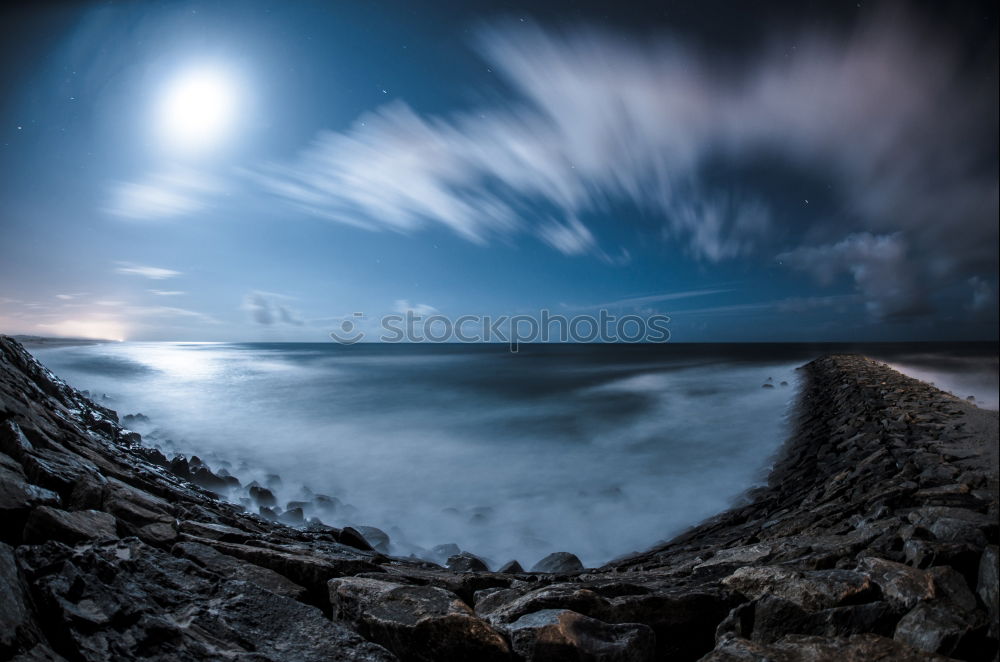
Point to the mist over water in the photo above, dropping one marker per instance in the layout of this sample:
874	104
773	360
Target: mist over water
599	450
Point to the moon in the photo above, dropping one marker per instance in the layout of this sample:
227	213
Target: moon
198	110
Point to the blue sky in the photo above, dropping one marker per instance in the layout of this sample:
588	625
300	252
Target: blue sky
803	174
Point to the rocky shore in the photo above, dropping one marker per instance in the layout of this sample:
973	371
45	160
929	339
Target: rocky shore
875	538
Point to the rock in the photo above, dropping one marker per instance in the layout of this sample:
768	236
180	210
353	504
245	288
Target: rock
307	566
950	586
352	537
797	648
511	567
179	467
203	477
417	623
262	496
214	531
811	590
900	584
506	606
562	563
16	626
560	634
987	586
767	385
376	537
770	618
46	523
441	553
934	628
293	517
229	567
17	499
466	562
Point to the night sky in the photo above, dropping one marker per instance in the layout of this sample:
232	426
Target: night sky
259	170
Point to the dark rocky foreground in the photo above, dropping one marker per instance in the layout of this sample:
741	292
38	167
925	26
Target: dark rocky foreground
876	539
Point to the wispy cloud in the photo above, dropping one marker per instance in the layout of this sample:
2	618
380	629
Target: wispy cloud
166	293
639	302
404	306
163	195
600	118
153	273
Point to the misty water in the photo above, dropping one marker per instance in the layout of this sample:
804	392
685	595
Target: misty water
599	450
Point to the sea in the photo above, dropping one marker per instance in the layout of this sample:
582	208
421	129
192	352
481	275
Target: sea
599	450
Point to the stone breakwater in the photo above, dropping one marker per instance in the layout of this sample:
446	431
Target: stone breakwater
875	538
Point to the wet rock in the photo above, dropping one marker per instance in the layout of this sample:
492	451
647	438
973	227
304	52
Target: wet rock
798	648
466	562
293	517
179	467
771	618
376	537
46	523
17	499
810	590
417	623
441	553
560	634
900	584
506	606
987	584
562	563
511	567
262	496
353	538
308	566
203	477
229	567
214	531
16	625
934	628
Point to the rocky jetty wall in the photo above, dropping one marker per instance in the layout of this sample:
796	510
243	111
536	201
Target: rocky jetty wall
875	538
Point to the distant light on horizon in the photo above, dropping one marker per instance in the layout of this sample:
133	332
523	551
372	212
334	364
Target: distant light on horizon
198	110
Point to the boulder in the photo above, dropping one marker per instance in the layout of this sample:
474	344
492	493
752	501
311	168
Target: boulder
901	584
353	538
987	585
560	634
417	623
935	628
376	537
46	523
559	563
466	562
810	590
511	567
262	496
798	648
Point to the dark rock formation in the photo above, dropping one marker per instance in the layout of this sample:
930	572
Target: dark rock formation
876	538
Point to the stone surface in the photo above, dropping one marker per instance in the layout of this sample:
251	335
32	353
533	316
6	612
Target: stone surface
560	634
418	623
46	523
559	563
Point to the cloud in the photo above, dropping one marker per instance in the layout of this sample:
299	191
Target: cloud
403	306
163	195
643	301
153	273
880	265
168	311
267	308
888	113
166	293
